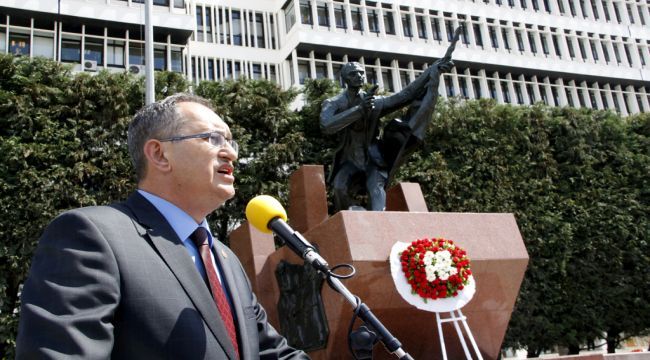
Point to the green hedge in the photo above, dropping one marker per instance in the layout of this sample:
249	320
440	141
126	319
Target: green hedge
577	181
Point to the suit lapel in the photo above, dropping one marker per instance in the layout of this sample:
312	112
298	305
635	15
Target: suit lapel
173	252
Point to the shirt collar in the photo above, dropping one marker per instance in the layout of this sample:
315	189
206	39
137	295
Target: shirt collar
179	220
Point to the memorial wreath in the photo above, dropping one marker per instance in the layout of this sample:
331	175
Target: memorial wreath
436	268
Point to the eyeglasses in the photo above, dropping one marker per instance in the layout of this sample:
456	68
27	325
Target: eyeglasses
216	138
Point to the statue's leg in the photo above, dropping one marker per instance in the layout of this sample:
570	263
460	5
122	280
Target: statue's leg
341	186
375	183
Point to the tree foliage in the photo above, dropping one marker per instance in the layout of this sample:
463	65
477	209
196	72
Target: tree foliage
576	179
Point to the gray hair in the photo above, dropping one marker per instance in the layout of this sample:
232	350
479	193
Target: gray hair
159	120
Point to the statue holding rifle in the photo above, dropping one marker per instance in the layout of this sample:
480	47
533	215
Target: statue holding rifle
363	159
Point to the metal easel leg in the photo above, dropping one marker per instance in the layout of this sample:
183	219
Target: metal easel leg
441	337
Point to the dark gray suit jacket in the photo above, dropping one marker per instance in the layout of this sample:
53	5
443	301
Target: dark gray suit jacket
117	282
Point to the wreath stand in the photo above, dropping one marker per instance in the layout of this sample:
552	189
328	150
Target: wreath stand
450	306
455	317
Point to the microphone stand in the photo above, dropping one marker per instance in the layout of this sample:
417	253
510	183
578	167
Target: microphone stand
296	242
390	342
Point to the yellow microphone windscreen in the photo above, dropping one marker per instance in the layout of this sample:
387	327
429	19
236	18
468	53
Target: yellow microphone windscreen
262	209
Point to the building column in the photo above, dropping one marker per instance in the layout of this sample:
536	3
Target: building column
631	100
524	90
561	92
575	96
294	67
330	12
454	81
312	65
394	68
314	14
485	90
634	54
585	94
380	79
330	68
497	87
645	104
470	85
428	27
598	94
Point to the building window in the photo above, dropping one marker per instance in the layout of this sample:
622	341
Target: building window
403	78
449	86
19	44
339	16
259	29
94	50
505	93
531	93
177	61
535	5
493	37
303	71
504	35
627	54
208	24
387	78
44	46
606	12
463	87
477	88
544	44
594	10
323	14
569	45
616	12
435	27
531	42
594	53
406	25
3	41
357	23
389	23
617	54
522	3
70	51
520	40
492	89
463	33
581	46
373	21
641	58
136	54
224	29
115	53
605	52
420	22
305	12
371	75
556	45
520	96
572	8
568	96
199	23
257	71
289	16
236	28
321	70
210	69
449	27
477	34
179	4
159	59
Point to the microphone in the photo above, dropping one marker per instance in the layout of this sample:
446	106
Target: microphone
267	215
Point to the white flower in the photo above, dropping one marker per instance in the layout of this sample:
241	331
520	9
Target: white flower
428	257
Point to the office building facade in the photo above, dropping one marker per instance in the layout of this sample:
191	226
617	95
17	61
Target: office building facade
579	53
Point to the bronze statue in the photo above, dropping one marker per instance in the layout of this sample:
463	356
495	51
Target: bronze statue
356	114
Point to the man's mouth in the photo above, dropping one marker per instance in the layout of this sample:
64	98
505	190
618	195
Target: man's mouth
226	169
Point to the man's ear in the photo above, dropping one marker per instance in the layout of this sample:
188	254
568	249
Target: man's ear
154	151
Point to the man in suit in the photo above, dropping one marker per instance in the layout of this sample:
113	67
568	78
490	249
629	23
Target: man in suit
144	279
